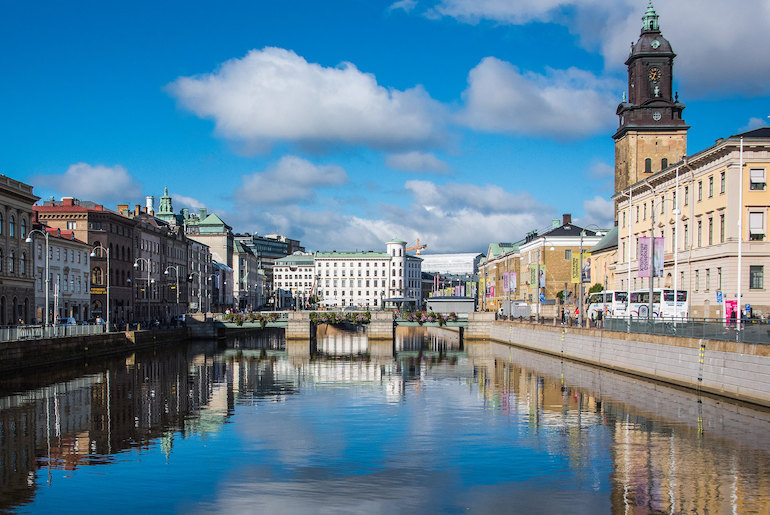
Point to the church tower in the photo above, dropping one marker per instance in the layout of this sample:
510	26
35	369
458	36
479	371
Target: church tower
652	133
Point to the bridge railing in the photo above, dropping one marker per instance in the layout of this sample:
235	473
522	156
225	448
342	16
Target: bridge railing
36	332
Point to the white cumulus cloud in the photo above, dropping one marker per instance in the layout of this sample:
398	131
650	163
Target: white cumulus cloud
754	123
274	95
599	211
292	179
181	201
97	183
416	162
720	48
563	103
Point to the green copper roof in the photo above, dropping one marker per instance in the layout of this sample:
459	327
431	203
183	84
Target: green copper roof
396	240
650	19
360	255
296	260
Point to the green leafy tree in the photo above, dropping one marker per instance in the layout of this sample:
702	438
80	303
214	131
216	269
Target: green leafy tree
596	288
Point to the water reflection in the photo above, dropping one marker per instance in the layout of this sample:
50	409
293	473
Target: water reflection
424	419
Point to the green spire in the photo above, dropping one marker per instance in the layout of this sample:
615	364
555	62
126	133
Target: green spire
165	203
650	19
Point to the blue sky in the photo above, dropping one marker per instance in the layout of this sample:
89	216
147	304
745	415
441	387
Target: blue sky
346	123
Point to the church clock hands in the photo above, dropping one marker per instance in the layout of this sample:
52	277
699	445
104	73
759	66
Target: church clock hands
655	74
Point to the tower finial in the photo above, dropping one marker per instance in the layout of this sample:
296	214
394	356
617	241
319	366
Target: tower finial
650	19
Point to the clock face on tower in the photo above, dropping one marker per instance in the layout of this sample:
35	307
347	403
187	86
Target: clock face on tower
655	74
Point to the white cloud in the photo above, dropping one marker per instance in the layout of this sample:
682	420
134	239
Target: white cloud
598	211
292	179
720	49
97	183
601	170
563	103
274	95
184	201
416	162
405	5
449	218
754	123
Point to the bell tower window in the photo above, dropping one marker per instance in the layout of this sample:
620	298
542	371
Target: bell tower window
648	165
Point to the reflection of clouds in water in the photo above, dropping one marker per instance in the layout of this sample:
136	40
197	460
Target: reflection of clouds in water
322	490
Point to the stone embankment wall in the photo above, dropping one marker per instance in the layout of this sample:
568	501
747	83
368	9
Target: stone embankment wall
736	370
18	355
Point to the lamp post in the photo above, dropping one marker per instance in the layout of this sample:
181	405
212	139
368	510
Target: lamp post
93	254
580	271
175	268
136	265
46	278
200	288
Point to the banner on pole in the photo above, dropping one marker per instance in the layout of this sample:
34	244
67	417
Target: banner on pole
576	272
644	257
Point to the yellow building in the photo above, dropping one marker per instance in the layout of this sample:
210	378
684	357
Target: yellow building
711	209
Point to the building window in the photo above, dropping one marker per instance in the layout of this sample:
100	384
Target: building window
662	204
12	226
722	182
756	180
1	223
700	233
663	163
648	165
697	279
11	261
568	254
711	186
700	191
757	226
721	228
624	218
711	231
708	279
719	278
637	213
686	235
686	195
23	228
756	277
645	211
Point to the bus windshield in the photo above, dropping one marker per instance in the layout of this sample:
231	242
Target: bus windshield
681	296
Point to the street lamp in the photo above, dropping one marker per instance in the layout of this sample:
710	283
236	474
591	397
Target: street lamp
176	271
580	271
200	288
93	255
46	278
136	265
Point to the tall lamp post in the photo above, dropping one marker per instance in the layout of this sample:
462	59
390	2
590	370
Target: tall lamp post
200	288
107	252
46	278
136	265
175	268
580	271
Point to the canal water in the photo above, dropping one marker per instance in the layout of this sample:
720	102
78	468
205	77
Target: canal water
424	424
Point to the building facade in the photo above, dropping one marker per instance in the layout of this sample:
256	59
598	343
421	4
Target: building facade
17	281
711	210
69	266
295	280
369	279
101	229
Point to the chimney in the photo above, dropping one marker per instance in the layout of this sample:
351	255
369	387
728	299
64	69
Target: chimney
555	223
123	209
137	210
67	201
149	204
566	219
203	213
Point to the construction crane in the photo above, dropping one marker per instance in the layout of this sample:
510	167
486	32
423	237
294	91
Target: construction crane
417	247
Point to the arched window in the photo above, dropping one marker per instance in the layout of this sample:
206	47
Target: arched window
97	276
1	260
23	264
648	165
11	259
12	226
23	228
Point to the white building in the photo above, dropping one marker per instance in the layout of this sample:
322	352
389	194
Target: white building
294	278
367	279
69	293
452	264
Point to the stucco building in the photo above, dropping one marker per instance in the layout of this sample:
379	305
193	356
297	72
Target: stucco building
17	295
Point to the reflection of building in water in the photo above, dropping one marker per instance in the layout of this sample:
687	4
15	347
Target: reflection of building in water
671	451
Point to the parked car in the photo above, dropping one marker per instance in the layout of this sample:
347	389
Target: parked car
67	321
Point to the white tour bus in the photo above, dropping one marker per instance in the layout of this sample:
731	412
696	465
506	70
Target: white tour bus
609	303
639	304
